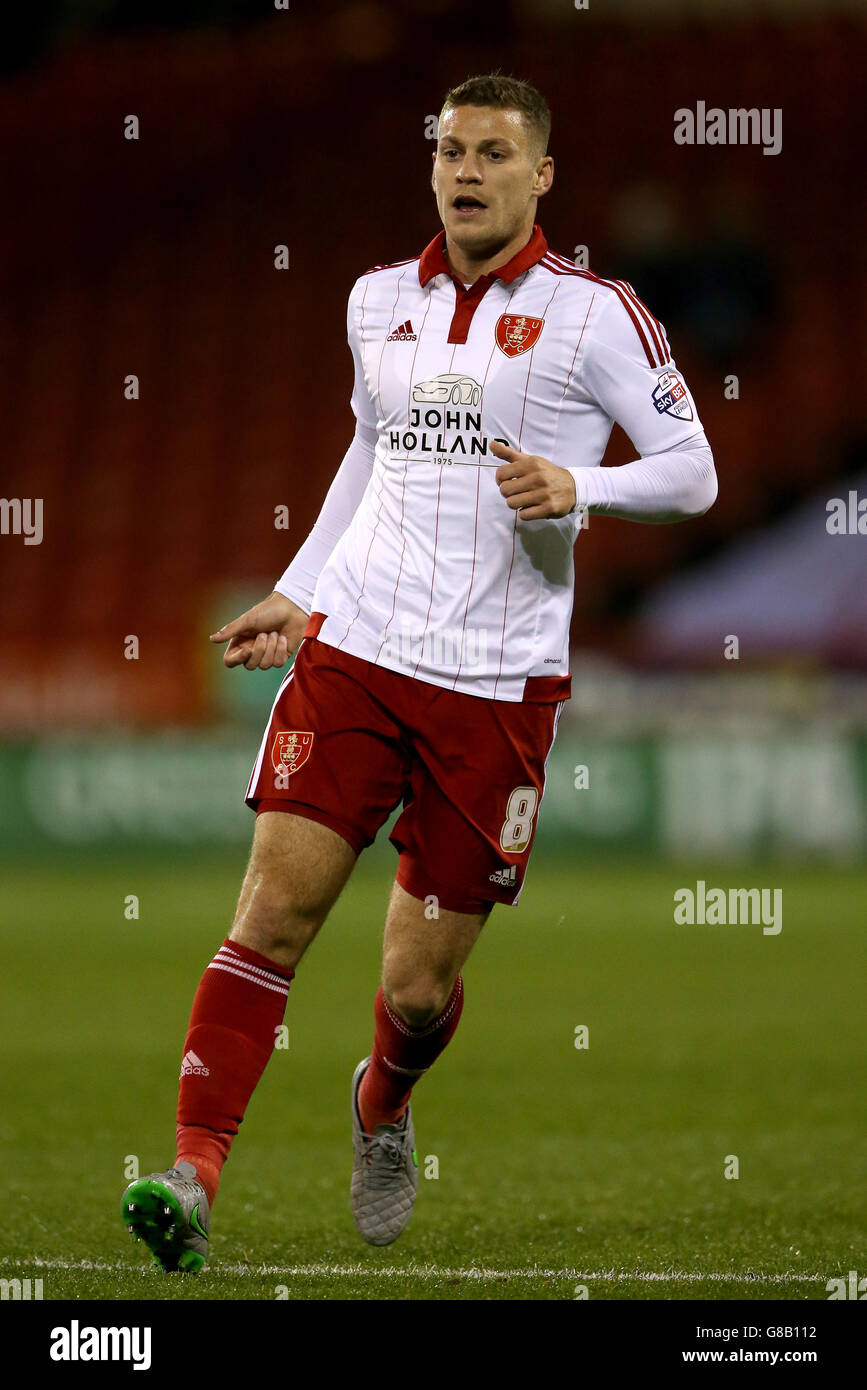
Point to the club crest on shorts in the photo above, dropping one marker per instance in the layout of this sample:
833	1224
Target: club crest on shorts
290	750
670	397
515	333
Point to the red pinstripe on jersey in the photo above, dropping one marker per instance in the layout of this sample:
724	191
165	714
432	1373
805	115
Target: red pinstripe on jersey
390	331
476	521
650	331
433	568
577	346
419	337
506	600
515	526
472	571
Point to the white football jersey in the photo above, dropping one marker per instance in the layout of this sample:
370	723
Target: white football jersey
436	576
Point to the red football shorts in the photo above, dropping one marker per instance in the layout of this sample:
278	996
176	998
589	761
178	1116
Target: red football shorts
348	740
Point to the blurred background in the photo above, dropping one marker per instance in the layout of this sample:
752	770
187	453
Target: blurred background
307	128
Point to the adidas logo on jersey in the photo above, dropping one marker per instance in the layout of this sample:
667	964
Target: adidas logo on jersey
505	877
403	334
194	1066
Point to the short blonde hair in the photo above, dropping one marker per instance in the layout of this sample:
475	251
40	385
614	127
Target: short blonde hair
509	94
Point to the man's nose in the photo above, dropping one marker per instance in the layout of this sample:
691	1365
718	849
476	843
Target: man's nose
469	171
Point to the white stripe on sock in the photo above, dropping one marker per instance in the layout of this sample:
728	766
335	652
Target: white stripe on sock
226	953
263	984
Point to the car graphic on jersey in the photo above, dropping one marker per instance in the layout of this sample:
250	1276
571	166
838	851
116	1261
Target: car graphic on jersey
459	390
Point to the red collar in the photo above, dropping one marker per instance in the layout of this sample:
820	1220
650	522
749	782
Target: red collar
433	262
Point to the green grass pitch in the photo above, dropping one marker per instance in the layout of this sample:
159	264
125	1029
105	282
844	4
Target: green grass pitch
558	1167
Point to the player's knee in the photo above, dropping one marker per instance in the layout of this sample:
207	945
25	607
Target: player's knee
277	921
286	937
417	1002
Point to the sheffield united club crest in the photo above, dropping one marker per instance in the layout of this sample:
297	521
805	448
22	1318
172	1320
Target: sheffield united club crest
290	750
516	334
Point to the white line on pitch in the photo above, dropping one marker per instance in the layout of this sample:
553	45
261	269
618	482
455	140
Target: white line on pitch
436	1272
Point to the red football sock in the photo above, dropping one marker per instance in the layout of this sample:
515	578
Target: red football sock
400	1056
238	1007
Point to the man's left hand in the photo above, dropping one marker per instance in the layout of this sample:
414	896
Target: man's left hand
533	487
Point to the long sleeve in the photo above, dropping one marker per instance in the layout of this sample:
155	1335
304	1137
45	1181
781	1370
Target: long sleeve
628	369
674	485
298	581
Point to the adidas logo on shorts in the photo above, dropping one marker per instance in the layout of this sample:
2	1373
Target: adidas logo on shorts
194	1066
505	877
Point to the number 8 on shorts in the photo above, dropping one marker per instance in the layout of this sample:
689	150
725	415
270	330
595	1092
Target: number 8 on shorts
518	825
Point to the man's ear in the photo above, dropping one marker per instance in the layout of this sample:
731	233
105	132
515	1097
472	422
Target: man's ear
544	176
433	172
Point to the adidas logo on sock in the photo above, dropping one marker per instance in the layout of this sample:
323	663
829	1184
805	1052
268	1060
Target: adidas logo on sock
403	334
194	1066
505	877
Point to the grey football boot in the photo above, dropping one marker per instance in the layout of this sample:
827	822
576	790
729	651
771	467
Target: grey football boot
171	1214
384	1173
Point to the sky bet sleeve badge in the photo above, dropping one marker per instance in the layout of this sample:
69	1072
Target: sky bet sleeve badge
290	750
516	334
670	397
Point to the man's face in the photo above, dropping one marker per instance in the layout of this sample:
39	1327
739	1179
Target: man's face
486	173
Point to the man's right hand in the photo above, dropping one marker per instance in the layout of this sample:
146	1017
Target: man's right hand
266	635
